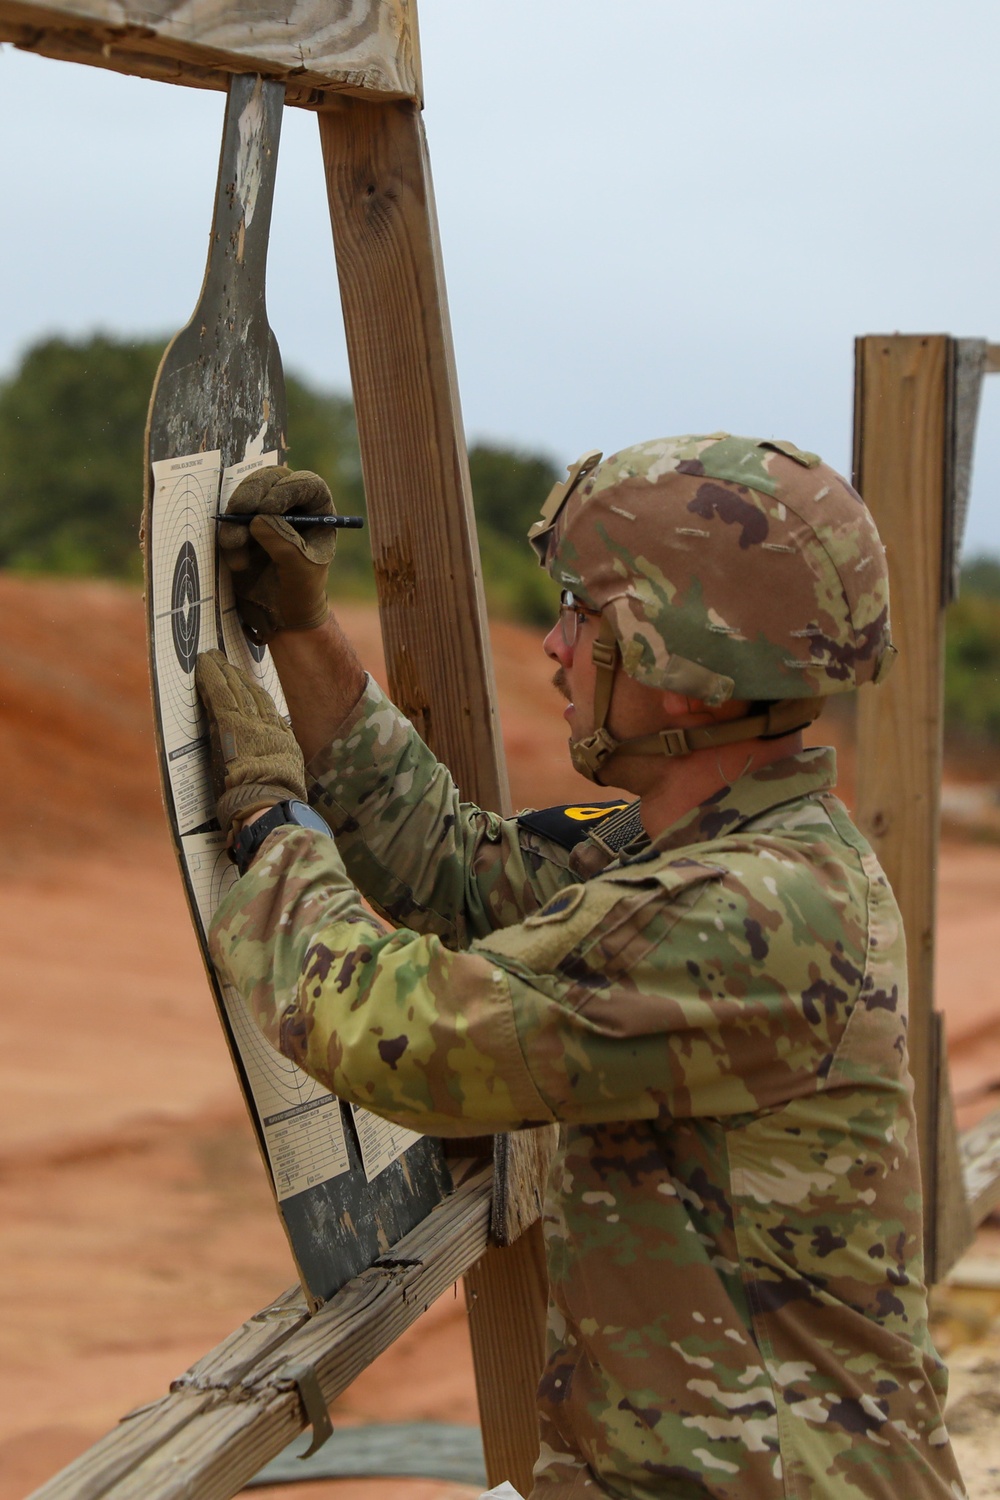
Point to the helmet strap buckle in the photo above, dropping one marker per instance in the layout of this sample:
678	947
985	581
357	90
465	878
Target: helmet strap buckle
674	742
590	755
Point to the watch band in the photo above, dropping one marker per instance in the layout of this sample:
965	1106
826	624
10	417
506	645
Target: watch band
292	813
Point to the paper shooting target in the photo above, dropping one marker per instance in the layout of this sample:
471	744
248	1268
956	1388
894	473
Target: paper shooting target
183	603
185	607
300	1119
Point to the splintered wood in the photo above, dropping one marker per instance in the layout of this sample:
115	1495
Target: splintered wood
242	1404
368	47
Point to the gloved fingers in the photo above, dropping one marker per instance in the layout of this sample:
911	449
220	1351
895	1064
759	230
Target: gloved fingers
258	621
234	544
214	682
274	491
265	708
301	492
283	544
226	691
256	492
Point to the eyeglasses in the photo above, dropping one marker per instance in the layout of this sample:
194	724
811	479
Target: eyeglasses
573	614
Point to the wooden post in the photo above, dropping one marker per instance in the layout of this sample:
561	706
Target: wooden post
506	1292
430	596
903	441
412	443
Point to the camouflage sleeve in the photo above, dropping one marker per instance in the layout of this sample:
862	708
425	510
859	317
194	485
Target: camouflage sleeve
417	852
631	996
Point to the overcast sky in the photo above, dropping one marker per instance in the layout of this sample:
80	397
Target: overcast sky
657	217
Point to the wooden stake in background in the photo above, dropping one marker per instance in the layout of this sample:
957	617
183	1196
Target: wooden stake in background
432	610
904	466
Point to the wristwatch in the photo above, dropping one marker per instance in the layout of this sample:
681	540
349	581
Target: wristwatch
294	813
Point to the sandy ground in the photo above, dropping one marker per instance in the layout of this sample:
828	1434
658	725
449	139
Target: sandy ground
136	1229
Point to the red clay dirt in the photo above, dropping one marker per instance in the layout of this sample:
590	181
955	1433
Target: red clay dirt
136	1228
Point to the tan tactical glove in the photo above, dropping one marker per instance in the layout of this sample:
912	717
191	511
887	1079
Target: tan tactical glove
256	761
279	574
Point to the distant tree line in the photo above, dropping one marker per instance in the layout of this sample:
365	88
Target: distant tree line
72	418
972	655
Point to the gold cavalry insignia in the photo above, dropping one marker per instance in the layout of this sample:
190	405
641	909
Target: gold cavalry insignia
587	814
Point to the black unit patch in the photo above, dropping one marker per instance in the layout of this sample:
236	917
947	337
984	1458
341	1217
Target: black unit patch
571	821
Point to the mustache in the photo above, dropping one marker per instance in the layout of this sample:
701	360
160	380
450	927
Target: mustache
559	683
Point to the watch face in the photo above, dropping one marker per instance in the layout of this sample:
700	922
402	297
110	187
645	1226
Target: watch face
304	816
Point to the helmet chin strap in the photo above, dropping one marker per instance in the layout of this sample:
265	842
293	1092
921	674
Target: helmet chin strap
591	755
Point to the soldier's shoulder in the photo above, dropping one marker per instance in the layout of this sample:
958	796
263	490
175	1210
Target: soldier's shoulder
614	824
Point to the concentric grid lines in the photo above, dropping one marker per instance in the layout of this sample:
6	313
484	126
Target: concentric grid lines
305	1140
183	605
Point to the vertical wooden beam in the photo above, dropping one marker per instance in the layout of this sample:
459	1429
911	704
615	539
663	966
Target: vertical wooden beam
903	442
430	598
413	451
506	1288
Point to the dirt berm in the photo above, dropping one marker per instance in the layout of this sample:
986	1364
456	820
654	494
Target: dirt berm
136	1229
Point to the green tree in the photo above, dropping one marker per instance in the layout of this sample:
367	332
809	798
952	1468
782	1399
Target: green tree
72	418
71	426
972	666
981	576
508	488
972	655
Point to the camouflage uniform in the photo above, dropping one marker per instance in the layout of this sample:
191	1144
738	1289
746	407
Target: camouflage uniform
717	1018
718	1021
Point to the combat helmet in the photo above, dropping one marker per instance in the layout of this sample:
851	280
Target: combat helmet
724	568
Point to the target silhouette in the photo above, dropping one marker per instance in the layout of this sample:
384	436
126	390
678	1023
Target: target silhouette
185	607
255	648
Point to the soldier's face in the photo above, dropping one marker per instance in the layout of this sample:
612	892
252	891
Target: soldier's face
635	709
575	675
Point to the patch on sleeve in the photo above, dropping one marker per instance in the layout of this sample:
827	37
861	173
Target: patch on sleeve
559	908
570	822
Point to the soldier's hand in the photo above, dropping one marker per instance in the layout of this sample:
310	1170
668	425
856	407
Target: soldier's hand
256	761
279	574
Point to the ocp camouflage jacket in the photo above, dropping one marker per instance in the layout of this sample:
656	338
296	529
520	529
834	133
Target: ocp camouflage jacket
718	1021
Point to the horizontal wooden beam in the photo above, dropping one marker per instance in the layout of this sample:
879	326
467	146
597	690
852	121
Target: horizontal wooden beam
980	1151
992	359
317	48
240	1406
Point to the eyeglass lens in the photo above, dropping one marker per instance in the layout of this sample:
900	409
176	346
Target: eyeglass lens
570	616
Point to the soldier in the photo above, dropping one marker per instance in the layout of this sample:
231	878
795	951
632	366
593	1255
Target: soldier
707	989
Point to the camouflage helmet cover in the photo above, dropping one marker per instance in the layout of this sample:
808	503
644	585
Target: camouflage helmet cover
726	566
